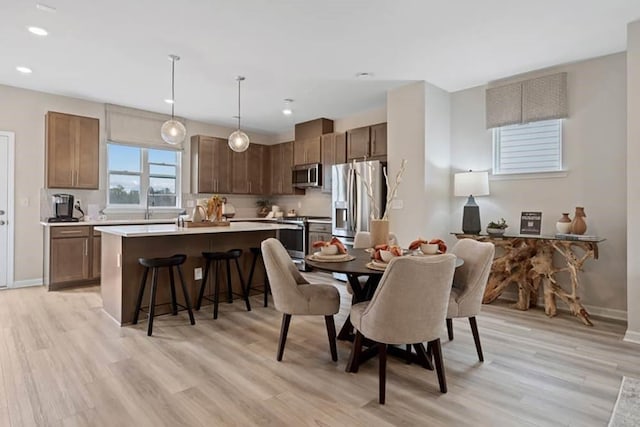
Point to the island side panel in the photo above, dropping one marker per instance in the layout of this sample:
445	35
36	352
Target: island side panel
192	246
111	275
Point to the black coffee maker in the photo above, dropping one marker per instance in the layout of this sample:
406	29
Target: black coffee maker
62	208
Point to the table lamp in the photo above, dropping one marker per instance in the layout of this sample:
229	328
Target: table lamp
471	184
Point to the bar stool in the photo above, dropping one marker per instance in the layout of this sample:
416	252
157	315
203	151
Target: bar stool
155	264
257	252
217	258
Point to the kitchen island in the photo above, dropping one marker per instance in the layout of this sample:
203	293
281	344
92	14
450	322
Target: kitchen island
123	245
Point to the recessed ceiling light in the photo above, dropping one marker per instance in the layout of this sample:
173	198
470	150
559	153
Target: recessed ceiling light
287	111
364	75
169	101
24	70
45	8
38	31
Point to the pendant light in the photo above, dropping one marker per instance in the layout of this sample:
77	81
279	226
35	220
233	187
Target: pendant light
173	131
238	140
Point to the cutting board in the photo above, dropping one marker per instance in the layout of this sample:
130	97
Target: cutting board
191	224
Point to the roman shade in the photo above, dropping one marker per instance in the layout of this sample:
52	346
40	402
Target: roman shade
136	127
532	100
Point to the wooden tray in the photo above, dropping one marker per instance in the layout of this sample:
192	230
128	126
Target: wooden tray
191	224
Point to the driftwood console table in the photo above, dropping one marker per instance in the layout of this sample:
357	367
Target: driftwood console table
528	262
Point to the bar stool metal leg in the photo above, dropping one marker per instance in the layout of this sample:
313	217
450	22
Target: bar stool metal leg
245	292
216	291
143	284
203	284
174	304
229	290
187	300
152	305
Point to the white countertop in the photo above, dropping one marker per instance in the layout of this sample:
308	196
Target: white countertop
110	222
173	230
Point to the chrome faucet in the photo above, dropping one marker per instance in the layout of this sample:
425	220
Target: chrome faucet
147	212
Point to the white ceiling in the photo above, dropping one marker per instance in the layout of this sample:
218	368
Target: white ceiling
116	51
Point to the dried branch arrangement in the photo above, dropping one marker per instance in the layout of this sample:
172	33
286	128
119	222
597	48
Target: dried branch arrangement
391	190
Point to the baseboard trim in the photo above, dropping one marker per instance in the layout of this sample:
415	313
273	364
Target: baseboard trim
604	312
632	336
26	283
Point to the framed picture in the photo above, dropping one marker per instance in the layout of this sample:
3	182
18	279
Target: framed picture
530	223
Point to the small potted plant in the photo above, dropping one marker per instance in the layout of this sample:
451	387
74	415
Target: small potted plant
265	207
497	228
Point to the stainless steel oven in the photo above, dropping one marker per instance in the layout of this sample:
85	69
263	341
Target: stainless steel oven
295	240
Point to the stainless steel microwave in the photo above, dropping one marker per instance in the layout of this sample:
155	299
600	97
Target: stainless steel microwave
307	175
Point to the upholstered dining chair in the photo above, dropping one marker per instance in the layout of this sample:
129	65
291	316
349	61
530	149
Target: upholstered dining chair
469	283
362	240
292	294
409	306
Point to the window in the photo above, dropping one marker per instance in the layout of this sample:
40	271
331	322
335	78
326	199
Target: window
136	174
528	148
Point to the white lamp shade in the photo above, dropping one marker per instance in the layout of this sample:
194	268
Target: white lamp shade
471	184
173	132
238	141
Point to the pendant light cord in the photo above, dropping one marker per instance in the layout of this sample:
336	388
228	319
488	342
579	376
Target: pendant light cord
239	81
173	98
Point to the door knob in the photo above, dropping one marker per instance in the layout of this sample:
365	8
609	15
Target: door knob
2	222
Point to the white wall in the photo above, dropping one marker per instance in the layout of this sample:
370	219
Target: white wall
22	111
633	178
594	152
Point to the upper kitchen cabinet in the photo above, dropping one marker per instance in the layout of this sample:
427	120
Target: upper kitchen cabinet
307	147
281	159
73	151
211	165
249	170
367	142
334	152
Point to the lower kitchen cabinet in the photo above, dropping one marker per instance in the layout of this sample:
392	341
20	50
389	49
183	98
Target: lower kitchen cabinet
95	255
70	251
318	232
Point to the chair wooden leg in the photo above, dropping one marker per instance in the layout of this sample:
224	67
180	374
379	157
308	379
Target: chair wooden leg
267	289
143	284
450	329
476	337
408	354
152	304
437	360
284	329
356	349
185	292
331	333
203	284
382	368
172	284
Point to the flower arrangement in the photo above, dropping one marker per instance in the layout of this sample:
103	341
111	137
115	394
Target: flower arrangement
392	190
501	225
214	208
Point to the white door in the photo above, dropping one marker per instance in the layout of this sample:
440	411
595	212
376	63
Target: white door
6	178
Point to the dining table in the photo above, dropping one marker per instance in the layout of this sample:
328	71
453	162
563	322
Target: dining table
356	267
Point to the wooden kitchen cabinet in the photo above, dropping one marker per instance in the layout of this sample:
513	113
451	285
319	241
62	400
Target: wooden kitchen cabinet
211	165
240	172
369	142
73	151
378	144
307	151
70	251
334	152
249	171
96	255
281	158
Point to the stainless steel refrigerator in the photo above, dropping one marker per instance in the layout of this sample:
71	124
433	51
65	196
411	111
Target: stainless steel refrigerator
351	206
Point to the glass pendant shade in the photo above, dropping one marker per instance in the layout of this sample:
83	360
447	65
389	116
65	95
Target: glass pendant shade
238	141
173	132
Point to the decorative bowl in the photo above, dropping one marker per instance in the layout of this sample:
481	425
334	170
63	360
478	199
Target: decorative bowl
429	248
386	255
495	231
329	250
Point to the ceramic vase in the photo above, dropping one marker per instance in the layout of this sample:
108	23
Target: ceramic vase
563	225
379	229
578	225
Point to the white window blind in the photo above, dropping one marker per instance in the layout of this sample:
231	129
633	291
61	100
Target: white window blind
528	148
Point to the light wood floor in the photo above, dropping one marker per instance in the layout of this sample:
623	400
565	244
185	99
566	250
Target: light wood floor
63	362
